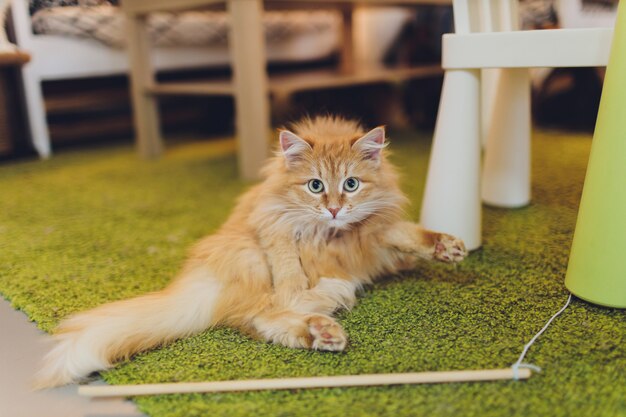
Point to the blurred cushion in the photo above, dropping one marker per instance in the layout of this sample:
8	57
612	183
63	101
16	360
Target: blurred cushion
105	23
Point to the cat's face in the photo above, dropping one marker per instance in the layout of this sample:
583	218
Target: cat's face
336	181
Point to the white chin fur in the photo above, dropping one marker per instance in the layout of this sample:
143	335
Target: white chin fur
338	223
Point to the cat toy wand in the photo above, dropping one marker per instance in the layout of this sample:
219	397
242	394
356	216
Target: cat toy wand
297	383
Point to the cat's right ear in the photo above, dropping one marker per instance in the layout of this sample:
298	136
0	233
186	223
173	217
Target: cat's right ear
292	146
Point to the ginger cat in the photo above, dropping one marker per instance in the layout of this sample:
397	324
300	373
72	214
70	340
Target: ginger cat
327	219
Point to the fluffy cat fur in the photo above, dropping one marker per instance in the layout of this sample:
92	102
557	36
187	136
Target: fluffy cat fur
285	260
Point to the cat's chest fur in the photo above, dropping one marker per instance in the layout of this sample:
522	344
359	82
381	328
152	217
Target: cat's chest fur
343	254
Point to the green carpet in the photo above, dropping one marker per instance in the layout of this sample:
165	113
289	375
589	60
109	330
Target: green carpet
92	226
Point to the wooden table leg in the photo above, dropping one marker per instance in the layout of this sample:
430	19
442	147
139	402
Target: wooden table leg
346	64
145	111
247	45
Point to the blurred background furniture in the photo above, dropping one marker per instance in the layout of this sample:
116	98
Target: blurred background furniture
76	83
11	58
70	42
12	122
250	84
452	200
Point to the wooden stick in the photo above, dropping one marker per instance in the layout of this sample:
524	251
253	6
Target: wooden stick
296	383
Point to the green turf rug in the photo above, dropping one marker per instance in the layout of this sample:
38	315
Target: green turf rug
92	226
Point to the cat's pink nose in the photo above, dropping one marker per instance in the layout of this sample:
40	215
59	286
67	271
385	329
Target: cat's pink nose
334	211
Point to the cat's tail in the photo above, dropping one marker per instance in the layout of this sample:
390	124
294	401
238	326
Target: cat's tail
96	339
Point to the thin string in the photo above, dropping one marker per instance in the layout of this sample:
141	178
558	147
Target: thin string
519	363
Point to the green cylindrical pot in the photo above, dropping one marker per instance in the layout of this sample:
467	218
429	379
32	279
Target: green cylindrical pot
597	264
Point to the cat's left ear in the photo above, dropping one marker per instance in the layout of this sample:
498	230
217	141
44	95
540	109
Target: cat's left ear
371	144
292	146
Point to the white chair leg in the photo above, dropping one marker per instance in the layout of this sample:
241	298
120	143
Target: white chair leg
506	175
452	197
489	85
36	113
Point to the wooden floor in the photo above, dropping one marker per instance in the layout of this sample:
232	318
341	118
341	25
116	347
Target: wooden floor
22	346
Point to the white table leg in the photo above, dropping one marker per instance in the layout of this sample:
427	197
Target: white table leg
506	175
452	197
247	45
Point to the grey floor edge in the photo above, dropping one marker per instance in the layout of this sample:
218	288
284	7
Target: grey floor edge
22	346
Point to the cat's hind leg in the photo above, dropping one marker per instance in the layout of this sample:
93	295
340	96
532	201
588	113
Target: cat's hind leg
297	330
305	322
327	334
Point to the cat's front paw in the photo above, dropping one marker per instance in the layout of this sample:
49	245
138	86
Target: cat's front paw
449	249
326	334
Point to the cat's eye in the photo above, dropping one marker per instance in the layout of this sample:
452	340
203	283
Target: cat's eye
351	184
316	186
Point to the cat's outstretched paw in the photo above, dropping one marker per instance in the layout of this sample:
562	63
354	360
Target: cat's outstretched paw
449	249
326	334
